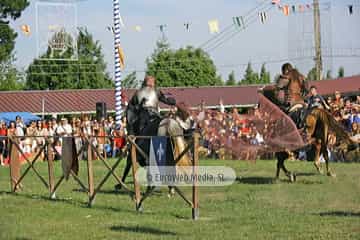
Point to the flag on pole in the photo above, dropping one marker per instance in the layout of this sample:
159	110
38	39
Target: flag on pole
121	56
213	26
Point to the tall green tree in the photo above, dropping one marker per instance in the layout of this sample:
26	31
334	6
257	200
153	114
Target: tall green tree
183	67
341	72
10	78
231	81
250	76
264	76
311	76
9	10
89	72
328	74
130	81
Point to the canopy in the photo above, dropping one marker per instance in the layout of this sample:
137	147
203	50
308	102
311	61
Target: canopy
25	116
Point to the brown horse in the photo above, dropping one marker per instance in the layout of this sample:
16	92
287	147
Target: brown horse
318	124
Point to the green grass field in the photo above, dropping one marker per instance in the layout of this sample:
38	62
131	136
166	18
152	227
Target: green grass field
255	207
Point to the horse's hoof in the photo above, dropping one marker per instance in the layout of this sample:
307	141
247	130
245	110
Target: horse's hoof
292	177
140	209
330	174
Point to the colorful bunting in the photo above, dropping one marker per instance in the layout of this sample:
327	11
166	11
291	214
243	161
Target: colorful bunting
26	29
351	9
213	26
286	10
263	17
239	22
275	2
137	28
187	26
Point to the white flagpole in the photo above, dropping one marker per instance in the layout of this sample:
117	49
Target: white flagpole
118	73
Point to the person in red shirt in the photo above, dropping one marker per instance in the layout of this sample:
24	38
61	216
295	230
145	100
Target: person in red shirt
119	141
3	134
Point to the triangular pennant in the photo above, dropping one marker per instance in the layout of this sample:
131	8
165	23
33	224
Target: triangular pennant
286	10
263	17
26	29
213	26
121	56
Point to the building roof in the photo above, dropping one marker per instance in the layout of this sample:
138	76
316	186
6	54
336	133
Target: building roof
84	101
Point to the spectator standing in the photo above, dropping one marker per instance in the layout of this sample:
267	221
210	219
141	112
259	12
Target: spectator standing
316	100
3	134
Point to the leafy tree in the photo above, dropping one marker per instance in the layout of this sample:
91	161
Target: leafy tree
250	76
183	67
130	81
231	79
9	9
10	78
264	76
341	72
311	76
328	74
89	72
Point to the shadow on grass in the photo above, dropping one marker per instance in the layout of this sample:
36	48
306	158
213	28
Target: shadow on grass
339	214
256	180
308	174
139	229
72	202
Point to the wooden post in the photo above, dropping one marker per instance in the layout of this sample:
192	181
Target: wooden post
50	160
195	199
14	165
136	183
90	172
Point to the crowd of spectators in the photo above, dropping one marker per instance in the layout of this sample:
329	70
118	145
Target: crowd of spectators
219	128
31	137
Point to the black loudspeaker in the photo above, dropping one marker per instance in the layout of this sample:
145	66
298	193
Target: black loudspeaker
100	110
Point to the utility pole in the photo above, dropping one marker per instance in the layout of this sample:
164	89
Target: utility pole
317	36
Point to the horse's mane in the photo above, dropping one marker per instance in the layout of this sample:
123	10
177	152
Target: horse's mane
329	120
295	75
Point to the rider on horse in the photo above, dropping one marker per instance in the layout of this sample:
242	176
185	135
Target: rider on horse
291	91
143	117
143	110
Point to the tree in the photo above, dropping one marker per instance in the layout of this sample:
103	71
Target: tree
89	72
183	67
10	78
130	81
311	76
341	72
264	76
328	74
231	79
250	76
9	9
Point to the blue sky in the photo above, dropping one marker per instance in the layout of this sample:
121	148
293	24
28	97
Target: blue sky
258	43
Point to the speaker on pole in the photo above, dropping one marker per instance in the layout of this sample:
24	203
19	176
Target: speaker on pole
100	110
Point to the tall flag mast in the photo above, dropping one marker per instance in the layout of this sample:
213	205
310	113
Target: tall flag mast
118	73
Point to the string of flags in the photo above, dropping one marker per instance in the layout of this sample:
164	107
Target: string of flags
214	24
